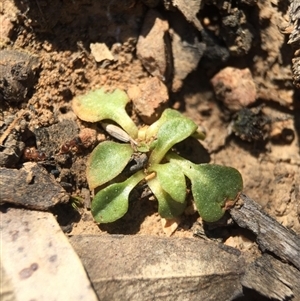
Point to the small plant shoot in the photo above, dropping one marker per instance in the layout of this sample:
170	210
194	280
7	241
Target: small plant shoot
214	188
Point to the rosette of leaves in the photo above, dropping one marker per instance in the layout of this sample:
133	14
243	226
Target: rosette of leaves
214	187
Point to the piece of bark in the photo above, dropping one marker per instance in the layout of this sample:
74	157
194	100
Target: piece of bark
37	260
156	268
273	279
271	235
31	187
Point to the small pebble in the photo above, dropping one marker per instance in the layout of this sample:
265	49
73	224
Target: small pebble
149	98
235	88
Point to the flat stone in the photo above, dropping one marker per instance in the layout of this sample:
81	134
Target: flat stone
155	268
31	187
37	261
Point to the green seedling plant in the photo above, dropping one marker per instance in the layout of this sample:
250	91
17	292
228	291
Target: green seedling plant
214	187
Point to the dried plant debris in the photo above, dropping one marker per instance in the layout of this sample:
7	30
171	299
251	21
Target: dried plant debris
250	124
237	33
235	28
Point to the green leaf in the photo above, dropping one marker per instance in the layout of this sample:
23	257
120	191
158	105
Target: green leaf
167	207
98	105
170	133
216	186
212	186
107	160
111	203
171	179
168	114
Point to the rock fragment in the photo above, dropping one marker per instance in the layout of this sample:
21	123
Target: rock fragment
188	8
101	52
18	74
234	87
88	137
149	98
31	187
38	260
187	50
12	151
157	268
6	28
11	144
153	48
50	139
